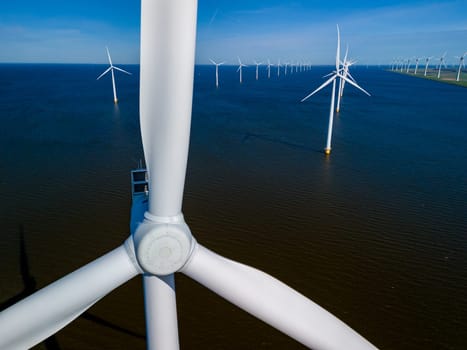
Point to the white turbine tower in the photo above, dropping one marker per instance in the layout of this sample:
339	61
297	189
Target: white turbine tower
111	70
162	243
279	68
461	64
427	61
345	73
285	67
240	65
217	70
269	68
441	63
408	65
336	74
257	68
416	65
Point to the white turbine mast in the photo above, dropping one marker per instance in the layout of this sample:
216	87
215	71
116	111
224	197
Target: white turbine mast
461	65
335	74
417	60
217	70
427	61
257	68
111	70
240	65
269	68
162	243
441	63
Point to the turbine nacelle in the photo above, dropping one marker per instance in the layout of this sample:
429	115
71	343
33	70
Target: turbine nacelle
163	247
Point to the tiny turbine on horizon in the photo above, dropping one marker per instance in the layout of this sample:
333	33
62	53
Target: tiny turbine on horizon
240	65
217	70
111	70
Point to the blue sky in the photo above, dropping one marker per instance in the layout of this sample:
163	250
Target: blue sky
58	31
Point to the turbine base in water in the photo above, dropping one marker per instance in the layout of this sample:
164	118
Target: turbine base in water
327	151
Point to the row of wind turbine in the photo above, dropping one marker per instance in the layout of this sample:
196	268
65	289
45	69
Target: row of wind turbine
299	66
404	65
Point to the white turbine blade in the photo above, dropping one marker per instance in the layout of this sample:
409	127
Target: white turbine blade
354	84
108	55
122	70
327	82
166	98
220	64
346	53
214	63
351	77
272	302
105	72
238	69
338	53
42	314
161	312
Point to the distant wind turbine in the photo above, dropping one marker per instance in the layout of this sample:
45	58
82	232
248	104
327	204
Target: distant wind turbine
408	65
461	64
217	70
416	65
441	63
269	68
345	72
111	70
279	68
337	74
427	60
257	68
240	68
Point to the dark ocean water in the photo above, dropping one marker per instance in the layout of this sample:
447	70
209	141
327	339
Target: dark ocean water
375	233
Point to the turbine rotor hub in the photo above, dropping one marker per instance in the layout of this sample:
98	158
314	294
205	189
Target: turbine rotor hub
163	248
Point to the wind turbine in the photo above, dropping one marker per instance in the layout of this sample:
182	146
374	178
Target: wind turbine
285	67
345	72
240	65
408	65
217	70
416	65
162	244
332	79
461	64
279	68
441	63
427	60
111	70
269	68
257	68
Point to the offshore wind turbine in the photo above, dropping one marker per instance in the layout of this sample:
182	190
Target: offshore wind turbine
269	68
217	70
336	74
416	65
427	60
441	63
240	65
279	68
408	65
111	70
257	68
162	243
461	64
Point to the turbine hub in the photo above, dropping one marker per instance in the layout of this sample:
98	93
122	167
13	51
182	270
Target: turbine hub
162	248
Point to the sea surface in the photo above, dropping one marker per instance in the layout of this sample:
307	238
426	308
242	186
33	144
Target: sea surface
376	233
